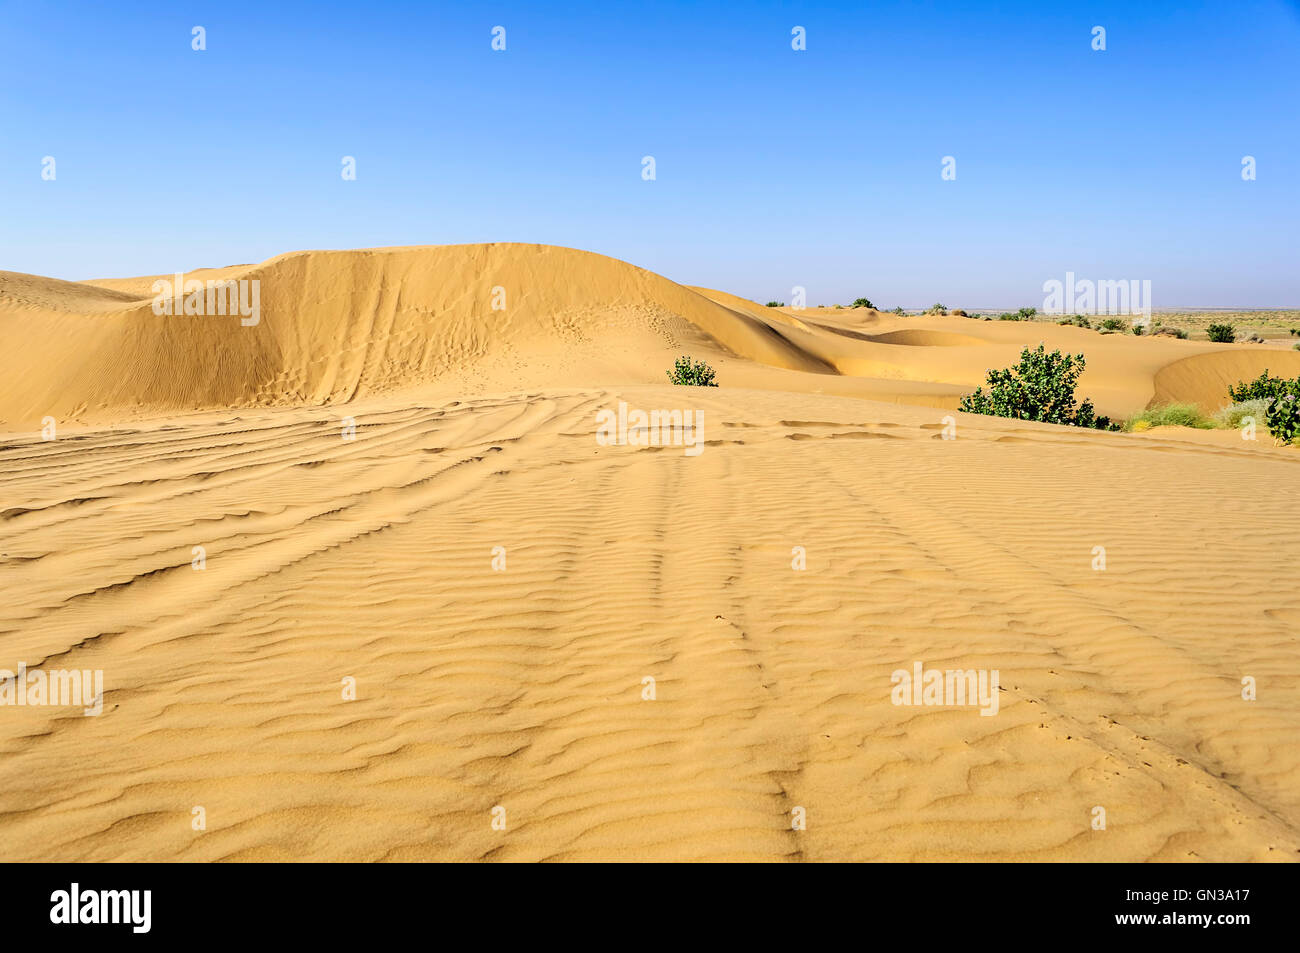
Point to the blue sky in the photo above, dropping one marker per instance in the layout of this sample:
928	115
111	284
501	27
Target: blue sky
774	168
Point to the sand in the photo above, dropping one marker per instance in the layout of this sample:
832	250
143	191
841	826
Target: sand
522	686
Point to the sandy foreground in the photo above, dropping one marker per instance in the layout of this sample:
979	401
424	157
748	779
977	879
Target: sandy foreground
499	585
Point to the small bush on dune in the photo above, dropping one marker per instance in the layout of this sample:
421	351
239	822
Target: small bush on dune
899	311
1283	417
691	373
1232	415
1027	314
1221	333
1039	387
1138	329
862	303
1113	324
1170	415
776	304
1281	399
1263	387
1170	332
937	309
1078	321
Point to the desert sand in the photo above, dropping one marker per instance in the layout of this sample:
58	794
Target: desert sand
499	584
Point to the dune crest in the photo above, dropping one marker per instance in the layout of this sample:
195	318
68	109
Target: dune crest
334	326
338	325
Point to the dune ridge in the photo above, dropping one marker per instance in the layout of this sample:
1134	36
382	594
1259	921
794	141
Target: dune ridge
338	325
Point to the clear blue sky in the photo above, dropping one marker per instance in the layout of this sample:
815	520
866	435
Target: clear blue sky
775	168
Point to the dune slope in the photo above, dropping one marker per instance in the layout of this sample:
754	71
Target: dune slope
522	686
337	325
361	580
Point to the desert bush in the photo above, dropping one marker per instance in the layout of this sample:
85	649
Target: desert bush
958	313
1283	416
1039	387
1138	329
1295	332
1281	399
776	304
899	311
1170	332
1113	324
1263	387
1170	415
691	373
1008	316
862	303
1232	415
937	309
1027	314
1077	320
1221	333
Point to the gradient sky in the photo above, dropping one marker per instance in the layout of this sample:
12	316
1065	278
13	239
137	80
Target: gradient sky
775	168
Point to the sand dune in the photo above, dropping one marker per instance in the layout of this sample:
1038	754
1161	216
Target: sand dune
521	686
336	326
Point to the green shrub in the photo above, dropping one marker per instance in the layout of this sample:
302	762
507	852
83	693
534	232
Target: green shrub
1281	399
1113	324
1283	417
1027	314
1232	415
899	311
1263	387
691	373
1008	316
1138	329
1170	332
776	304
1078	321
1295	332
862	303
1039	387
1221	333
1170	415
937	309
